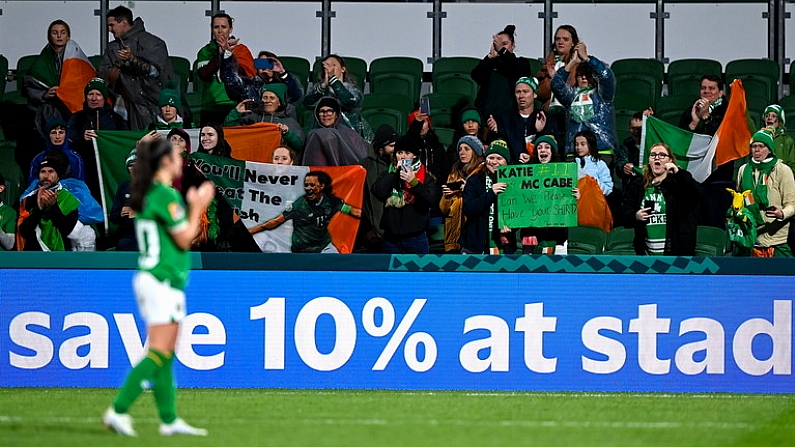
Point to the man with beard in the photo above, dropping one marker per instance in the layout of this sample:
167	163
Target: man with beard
48	217
311	215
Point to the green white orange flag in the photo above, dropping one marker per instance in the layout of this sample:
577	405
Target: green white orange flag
75	74
702	154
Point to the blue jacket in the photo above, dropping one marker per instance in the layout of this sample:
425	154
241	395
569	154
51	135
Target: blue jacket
603	123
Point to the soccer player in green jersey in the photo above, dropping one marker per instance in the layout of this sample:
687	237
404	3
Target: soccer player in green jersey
165	228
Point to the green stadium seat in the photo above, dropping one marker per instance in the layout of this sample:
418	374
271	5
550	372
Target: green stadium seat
711	241
670	108
356	67
788	104
389	101
636	66
461	65
3	74
757	74
446	108
619	241
182	69
445	135
535	66
298	66
622	123
586	240
630	100
194	97
684	75
95	60
399	75
377	116
457	83
23	67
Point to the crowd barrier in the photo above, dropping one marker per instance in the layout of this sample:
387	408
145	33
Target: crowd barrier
435	322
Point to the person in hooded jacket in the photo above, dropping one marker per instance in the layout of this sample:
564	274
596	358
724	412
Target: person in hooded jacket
376	163
272	108
332	142
56	141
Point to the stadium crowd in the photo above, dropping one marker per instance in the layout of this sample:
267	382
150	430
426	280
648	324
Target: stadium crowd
416	187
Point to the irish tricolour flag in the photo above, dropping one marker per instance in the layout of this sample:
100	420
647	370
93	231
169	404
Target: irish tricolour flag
701	154
75	74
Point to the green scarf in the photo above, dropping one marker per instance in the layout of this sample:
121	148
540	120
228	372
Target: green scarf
492	216
400	198
582	109
50	236
47	67
758	185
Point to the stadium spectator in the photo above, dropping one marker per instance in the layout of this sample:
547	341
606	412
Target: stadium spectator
56	141
332	143
628	152
136	65
8	220
240	87
408	192
121	213
215	101
212	141
661	206
497	73
773	187
283	155
776	121
376	163
335	81
566	39
520	126
48	215
481	232
471	123
170	102
469	163
170	227
311	215
589	105
589	162
270	108
433	158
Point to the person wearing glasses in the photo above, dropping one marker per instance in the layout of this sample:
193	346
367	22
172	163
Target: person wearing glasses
332	142
589	103
661	206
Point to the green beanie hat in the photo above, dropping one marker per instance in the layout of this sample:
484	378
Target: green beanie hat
471	115
278	88
532	82
97	84
547	139
764	136
169	95
499	147
775	108
132	157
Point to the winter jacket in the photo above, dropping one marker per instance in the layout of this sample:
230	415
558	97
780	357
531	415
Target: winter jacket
598	170
373	209
294	138
412	218
513	128
336	145
350	98
497	78
475	231
781	193
240	87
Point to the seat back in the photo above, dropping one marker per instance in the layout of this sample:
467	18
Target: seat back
456	83
586	240
96	60
638	66
788	104
397	74
460	65
670	108
377	116
446	108
754	69
445	135
711	241
389	101
684	75
182	70
298	66
619	241
3	74
638	86
623	116
24	65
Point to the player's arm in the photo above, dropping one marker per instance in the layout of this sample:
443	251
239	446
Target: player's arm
269	225
351	211
198	199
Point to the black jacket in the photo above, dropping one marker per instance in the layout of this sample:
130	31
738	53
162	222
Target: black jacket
412	218
475	232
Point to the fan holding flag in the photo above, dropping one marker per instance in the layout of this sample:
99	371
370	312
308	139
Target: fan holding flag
56	79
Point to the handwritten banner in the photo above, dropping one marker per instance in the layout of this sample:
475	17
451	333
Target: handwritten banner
538	195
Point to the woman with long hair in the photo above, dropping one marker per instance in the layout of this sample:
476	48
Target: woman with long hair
586	154
469	162
165	227
661	206
566	39
212	141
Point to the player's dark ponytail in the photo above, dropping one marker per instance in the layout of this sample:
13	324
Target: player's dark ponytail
149	157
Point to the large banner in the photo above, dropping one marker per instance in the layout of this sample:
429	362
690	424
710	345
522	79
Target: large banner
255	191
413	331
538	195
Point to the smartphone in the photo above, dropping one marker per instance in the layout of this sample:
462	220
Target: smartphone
425	106
406	164
263	63
252	105
649	204
455	186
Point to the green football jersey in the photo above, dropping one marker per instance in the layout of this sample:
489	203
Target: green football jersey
163	214
656	227
310	223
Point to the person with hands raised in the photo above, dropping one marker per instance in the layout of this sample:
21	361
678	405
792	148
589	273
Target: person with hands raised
335	81
519	127
271	108
269	71
661	206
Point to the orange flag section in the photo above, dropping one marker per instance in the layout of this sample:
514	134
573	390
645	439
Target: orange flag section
244	59
733	133
347	183
253	143
592	209
75	74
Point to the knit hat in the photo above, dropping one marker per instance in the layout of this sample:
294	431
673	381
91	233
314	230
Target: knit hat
51	163
547	139
53	123
328	101
775	108
132	157
532	82
471	115
278	88
413	117
181	133
472	142
169	95
384	135
97	84
764	136
499	147
406	144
